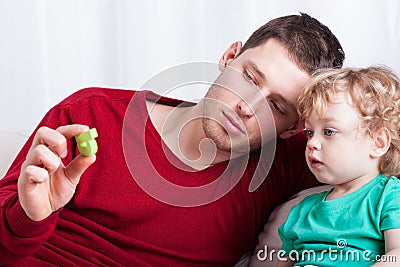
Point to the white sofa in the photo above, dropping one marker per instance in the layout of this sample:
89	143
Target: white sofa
11	143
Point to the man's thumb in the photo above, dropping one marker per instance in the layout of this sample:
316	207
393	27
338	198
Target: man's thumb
78	166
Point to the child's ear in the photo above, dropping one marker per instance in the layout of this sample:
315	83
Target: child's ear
380	142
294	129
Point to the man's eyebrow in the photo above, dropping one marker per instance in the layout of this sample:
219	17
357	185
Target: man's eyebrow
256	69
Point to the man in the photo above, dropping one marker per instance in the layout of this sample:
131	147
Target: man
169	185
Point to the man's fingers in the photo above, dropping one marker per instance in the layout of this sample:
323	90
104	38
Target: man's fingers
77	167
55	140
72	130
35	174
42	156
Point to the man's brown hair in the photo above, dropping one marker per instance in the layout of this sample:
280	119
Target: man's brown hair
310	44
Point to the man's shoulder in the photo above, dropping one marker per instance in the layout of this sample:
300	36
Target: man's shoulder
290	152
296	142
98	93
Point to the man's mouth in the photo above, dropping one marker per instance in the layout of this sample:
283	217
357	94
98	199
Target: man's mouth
232	125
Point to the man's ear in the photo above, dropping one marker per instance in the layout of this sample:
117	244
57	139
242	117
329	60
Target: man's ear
294	129
230	53
380	142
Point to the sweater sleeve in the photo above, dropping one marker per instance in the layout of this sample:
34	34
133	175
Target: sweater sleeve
19	236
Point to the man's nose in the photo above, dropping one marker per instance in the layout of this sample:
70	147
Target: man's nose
244	109
251	103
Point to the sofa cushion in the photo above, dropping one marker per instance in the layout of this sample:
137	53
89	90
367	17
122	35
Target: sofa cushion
10	144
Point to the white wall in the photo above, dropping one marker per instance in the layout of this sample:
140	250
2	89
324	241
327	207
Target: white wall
51	48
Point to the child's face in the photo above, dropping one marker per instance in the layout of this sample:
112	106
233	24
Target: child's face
338	150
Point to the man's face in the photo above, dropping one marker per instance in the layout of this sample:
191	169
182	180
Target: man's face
254	98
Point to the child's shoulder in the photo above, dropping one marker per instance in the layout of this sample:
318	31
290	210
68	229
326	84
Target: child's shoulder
393	181
311	200
316	197
390	185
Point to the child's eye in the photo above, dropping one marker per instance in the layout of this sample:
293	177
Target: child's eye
329	132
308	132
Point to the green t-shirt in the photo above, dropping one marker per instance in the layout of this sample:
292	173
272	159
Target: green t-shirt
347	231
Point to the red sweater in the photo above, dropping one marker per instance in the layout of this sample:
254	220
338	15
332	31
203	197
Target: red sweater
112	221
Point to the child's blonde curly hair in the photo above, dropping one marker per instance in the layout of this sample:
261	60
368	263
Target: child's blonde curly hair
374	91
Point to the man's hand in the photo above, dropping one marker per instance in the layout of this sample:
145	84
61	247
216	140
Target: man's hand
45	184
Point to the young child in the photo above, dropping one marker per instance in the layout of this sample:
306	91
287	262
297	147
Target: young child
352	120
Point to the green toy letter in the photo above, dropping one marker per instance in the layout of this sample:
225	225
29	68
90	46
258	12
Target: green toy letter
87	144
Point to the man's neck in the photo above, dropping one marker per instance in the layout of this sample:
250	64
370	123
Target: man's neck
181	130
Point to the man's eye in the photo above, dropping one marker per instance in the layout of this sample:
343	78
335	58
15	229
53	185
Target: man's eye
329	132
248	77
276	107
308	132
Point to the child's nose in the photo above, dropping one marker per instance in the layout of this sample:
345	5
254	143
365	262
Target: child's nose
313	143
